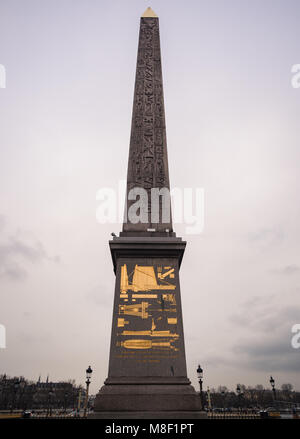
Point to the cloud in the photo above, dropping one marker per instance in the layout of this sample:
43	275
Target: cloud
33	338
256	314
11	271
268	348
27	314
287	270
267	320
270	354
2	222
101	295
217	361
267	237
32	252
16	252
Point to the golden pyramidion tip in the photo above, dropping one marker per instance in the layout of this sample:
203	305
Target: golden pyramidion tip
149	13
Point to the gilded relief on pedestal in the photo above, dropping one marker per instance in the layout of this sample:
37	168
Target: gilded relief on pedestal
147	312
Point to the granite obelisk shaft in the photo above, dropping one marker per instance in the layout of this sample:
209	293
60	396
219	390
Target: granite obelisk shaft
148	159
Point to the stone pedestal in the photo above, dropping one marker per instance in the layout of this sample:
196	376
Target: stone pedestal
148	401
147	367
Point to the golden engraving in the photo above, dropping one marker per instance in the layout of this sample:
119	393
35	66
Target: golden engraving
152	332
166	274
144	279
144	296
172	320
138	309
124	279
122	322
169	298
147	344
123	296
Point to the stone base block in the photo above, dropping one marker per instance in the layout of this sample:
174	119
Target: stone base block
147	401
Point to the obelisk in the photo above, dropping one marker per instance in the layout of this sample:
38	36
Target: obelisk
147	375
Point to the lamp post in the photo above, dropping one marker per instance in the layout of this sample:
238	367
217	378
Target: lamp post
21	398
88	382
239	394
209	400
16	389
4	387
223	398
79	403
200	378
65	401
50	394
272	382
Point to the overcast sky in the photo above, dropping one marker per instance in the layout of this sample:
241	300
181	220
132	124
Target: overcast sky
232	127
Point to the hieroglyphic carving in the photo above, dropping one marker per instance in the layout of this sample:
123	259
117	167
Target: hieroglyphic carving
148	156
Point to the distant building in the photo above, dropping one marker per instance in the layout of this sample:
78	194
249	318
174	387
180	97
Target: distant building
19	393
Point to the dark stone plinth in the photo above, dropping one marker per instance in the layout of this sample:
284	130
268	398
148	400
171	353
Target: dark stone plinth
155	386
147	401
149	380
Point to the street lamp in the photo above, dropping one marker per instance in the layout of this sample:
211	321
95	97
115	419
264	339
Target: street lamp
88	382
200	378
16	388
50	394
66	397
209	399
272	382
79	402
223	398
21	398
5	388
239	394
